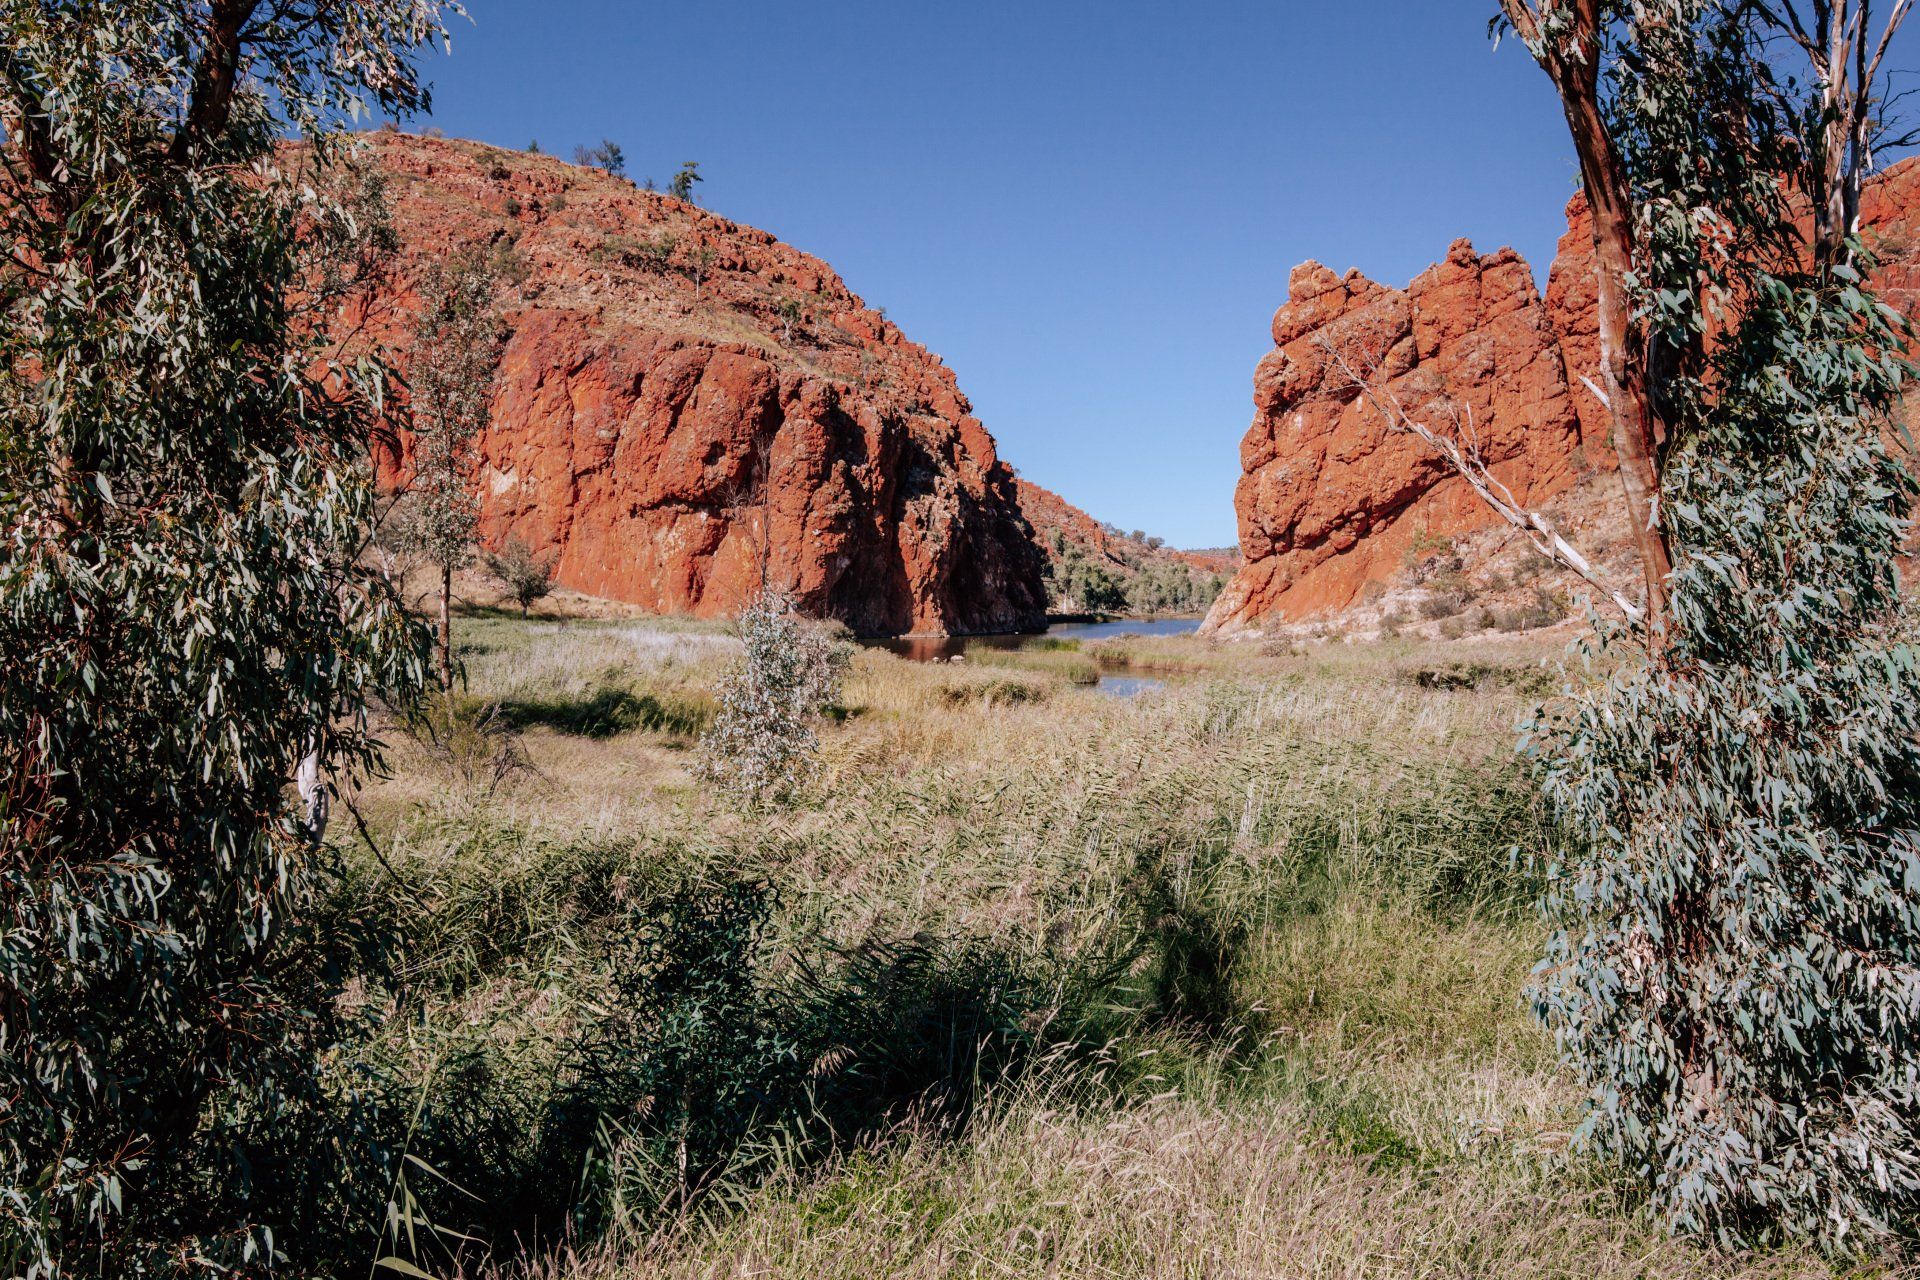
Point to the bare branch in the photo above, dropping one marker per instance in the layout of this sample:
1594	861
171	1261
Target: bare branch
1894	20
1471	467
1787	19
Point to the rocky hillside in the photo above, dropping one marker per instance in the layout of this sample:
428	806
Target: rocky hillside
1051	514
1097	568
1339	514
687	407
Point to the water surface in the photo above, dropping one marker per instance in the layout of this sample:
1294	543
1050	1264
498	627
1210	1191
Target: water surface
1128	686
940	648
1124	627
947	648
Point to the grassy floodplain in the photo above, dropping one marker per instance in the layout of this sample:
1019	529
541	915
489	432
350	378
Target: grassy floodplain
1230	975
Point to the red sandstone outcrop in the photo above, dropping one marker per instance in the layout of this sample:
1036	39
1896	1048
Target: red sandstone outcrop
1331	499
1331	502
687	407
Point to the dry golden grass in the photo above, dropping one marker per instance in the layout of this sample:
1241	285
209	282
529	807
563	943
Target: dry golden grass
1387	1107
1178	1187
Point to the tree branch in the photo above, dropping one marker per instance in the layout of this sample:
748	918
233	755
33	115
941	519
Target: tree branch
1894	20
215	77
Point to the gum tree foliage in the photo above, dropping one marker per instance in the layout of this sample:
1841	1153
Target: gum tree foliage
762	743
450	374
1167	586
182	493
1081	582
1735	972
1078	583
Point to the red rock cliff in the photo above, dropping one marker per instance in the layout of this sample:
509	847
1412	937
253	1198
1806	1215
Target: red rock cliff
1330	501
686	404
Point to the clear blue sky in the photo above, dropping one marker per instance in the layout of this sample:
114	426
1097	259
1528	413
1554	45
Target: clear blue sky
1088	209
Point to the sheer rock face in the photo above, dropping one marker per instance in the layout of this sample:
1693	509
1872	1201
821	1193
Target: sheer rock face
687	408
1331	502
1331	499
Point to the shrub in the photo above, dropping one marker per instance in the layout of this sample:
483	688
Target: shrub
607	157
657	254
1430	556
1530	681
528	578
994	692
607	713
698	265
641	253
686	1062
510	266
1526	569
715	1062
790	312
1545	609
474	741
1188	942
762	743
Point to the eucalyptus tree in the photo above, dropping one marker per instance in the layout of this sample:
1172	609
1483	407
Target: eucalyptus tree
182	494
762	743
1736	969
681	188
450	375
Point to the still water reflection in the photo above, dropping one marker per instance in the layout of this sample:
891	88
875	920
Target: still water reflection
1127	686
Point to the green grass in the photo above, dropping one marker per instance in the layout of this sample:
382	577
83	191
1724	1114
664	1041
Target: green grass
1053	659
610	711
1262	937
